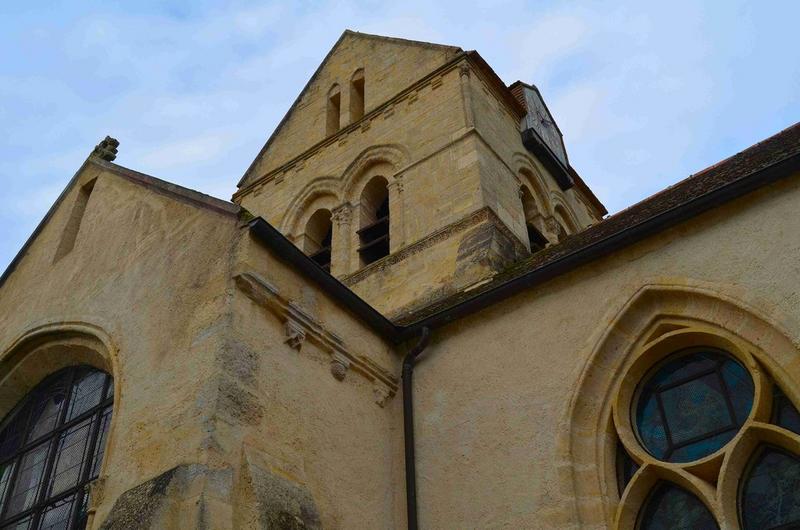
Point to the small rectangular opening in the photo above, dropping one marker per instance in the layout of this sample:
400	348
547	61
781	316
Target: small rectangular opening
334	111
357	100
73	226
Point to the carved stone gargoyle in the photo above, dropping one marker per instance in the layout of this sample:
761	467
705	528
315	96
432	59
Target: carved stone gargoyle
107	149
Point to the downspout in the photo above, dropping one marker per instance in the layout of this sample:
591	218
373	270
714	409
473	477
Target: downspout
408	426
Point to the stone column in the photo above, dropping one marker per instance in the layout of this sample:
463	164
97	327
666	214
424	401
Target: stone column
342	236
397	212
466	95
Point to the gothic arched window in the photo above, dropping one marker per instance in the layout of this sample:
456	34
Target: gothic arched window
705	434
51	448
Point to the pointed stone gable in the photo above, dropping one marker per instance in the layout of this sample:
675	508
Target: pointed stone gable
389	65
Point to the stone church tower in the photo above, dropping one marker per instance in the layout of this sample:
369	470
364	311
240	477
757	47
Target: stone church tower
413	314
432	134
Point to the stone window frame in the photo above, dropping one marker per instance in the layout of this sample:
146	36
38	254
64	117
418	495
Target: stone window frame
726	466
654	320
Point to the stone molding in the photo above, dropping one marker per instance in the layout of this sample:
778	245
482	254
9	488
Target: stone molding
653	320
482	215
301	326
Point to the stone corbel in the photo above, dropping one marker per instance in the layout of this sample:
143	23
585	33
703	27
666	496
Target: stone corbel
382	396
96	493
295	335
339	366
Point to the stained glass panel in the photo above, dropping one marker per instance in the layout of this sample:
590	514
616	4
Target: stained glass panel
87	391
47	407
672	508
13	428
97	459
693	405
771	492
784	413
71	456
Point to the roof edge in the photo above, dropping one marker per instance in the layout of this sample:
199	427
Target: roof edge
290	254
170	189
181	193
348	32
608	245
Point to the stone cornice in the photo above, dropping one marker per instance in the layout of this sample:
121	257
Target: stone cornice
300	326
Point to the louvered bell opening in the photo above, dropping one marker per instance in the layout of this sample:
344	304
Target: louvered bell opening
375	237
322	257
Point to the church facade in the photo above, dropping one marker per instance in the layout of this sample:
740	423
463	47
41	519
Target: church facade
413	313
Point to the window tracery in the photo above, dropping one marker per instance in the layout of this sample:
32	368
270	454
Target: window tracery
707	438
670	507
771	491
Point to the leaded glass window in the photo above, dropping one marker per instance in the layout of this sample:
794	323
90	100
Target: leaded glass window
770	495
672	508
51	447
784	412
692	405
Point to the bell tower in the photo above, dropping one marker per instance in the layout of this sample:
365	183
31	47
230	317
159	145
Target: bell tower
411	172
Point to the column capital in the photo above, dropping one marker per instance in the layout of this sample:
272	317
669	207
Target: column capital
343	214
396	184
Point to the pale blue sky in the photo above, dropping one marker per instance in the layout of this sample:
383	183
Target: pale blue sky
645	92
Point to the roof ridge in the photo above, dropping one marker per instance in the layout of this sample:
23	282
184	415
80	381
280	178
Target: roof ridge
401	40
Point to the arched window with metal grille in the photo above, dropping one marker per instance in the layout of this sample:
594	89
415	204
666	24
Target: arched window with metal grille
51	448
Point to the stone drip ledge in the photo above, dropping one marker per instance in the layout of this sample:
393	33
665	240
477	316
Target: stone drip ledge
301	326
482	215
